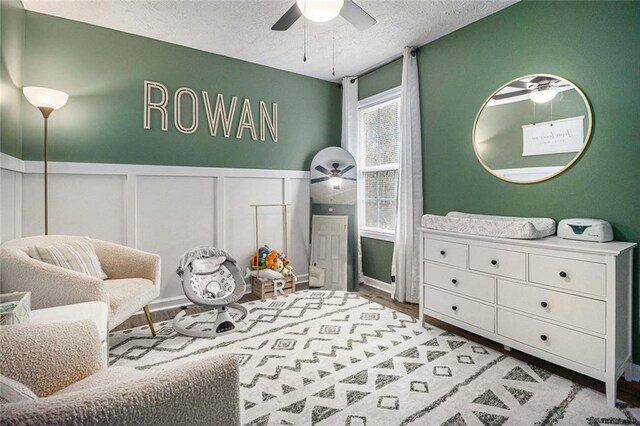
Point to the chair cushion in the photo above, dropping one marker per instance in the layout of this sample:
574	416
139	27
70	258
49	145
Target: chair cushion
12	391
78	255
127	296
107	377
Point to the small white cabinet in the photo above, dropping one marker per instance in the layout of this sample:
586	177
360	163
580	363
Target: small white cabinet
568	302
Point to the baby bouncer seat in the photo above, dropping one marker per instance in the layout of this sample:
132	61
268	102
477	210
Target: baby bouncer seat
211	277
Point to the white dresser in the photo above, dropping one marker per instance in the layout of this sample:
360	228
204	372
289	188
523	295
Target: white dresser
568	302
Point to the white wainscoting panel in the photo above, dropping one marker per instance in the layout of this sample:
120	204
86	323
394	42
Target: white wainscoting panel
160	209
174	214
92	205
11	201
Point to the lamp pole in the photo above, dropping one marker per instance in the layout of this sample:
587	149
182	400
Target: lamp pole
46	112
47	101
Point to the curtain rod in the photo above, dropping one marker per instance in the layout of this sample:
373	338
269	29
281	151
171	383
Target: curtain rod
414	52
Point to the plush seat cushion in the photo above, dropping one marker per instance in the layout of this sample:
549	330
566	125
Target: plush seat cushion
78	255
106	377
12	391
127	295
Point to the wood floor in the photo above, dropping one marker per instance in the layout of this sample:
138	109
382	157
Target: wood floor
627	391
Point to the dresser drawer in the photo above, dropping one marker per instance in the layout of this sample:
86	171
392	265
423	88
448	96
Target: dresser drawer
465	310
572	345
498	262
574	310
446	252
577	275
463	282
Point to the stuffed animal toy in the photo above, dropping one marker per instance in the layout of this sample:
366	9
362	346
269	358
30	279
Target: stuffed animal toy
286	269
270	258
278	265
259	258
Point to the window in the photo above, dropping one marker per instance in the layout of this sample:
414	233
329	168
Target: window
379	138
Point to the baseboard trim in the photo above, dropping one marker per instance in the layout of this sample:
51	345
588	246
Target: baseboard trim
168	303
377	284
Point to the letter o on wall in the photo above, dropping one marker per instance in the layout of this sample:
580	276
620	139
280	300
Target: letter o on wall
194	110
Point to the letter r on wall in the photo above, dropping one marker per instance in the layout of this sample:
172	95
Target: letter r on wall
160	105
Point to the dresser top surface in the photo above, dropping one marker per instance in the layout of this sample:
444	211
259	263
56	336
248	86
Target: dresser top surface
553	242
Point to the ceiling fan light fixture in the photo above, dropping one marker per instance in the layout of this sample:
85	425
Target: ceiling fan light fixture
320	10
541	96
335	181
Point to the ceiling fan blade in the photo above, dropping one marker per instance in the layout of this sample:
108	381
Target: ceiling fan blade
288	19
322	179
348	178
356	15
519	84
511	94
322	170
346	169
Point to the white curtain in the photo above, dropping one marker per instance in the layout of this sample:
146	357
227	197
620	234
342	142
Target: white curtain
406	262
350	143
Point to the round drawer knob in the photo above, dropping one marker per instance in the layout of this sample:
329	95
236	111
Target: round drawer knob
454	307
543	337
544	304
494	262
442	252
454	281
563	274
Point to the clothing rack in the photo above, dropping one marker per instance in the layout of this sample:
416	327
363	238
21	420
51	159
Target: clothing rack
284	228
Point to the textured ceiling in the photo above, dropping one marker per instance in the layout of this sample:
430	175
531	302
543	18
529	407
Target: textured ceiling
241	28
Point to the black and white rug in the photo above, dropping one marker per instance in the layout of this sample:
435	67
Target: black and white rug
334	358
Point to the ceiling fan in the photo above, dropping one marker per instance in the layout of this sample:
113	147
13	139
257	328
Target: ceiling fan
334	176
323	11
540	89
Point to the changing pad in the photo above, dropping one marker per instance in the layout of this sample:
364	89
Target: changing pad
525	228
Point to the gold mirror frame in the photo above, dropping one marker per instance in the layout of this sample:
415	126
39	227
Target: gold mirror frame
569	164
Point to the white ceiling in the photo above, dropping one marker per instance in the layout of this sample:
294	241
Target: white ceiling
241	28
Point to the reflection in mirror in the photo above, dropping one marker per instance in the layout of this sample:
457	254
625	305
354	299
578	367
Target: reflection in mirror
333	208
532	128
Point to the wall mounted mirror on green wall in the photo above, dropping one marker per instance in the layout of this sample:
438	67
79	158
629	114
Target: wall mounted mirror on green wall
532	128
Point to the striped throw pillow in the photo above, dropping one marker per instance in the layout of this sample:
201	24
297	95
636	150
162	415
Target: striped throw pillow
79	256
12	391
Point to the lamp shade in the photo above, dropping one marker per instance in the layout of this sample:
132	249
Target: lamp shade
43	97
542	96
335	181
320	10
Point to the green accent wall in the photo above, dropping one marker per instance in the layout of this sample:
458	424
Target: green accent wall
376	259
104	70
594	45
385	78
12	24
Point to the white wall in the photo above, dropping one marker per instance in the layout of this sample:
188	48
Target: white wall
160	209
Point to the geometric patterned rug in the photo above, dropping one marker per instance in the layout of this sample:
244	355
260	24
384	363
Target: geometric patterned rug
334	358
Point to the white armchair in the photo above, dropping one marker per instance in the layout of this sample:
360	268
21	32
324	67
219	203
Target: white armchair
133	278
62	365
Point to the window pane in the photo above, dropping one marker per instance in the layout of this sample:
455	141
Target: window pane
380	192
372	155
371	124
381	134
389	119
388	151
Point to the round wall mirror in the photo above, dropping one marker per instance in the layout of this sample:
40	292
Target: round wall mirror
532	128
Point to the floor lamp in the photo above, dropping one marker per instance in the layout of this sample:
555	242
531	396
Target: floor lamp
47	101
